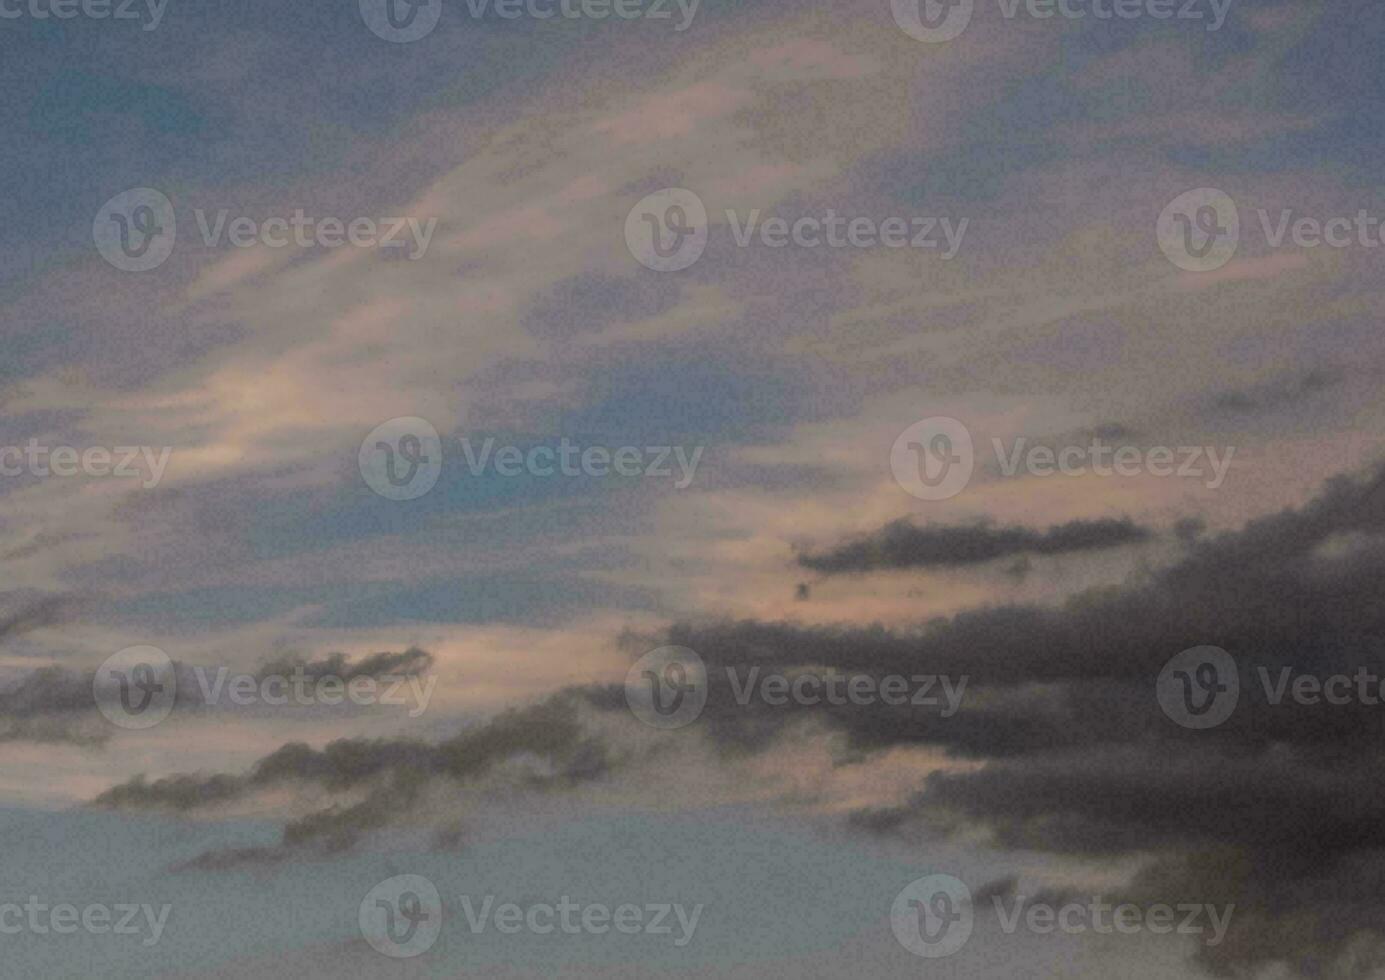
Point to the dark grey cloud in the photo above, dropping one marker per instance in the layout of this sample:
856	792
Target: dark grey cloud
38	706
1279	810
32	614
546	745
50	704
1187	529
903	544
384	664
1279	393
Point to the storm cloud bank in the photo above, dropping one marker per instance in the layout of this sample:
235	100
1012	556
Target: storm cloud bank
1278	809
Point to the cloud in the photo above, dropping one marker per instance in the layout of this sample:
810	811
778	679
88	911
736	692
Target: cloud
1059	744
50	704
39	706
33	615
407	663
1279	393
542	747
902	544
1065	748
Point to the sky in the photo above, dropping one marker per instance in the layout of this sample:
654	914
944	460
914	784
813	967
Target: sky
869	486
